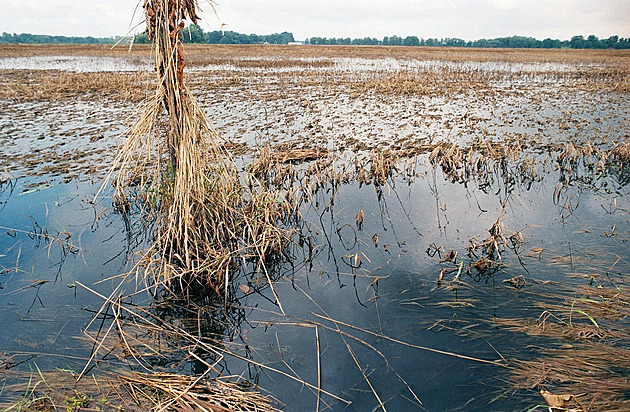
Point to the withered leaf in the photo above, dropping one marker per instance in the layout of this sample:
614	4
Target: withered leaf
555	401
375	239
244	288
359	219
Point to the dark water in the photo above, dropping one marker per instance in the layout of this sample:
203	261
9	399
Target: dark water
390	308
52	237
408	304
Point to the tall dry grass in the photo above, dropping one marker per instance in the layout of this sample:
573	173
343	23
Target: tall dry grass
174	164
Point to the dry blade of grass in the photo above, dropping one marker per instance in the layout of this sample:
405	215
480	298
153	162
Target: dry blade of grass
132	391
593	359
164	391
154	326
438	351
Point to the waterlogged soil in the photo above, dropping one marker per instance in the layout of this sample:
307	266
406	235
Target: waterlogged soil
386	301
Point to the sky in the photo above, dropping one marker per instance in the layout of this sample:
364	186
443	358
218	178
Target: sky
465	19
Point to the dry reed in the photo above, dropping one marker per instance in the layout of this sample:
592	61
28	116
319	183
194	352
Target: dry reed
130	391
191	182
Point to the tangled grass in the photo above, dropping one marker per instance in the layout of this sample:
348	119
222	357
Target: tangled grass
175	165
133	392
592	359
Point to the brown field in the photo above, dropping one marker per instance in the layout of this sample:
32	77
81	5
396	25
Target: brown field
604	67
198	53
353	98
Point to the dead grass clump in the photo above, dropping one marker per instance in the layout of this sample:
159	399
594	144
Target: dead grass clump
25	85
486	255
450	157
586	155
160	391
512	163
268	157
275	166
42	391
593	363
424	83
265	161
607	79
301	155
621	153
585	373
261	219
483	162
619	159
205	215
379	167
130	391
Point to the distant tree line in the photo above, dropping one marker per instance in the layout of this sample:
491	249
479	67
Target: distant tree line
514	42
195	34
190	34
26	38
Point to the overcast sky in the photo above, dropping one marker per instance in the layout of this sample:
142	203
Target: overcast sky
466	19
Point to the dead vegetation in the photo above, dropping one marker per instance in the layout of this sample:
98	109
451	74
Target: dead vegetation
22	85
268	158
208	220
621	154
313	63
591	362
197	52
275	62
173	167
505	165
212	221
425	83
131	392
185	393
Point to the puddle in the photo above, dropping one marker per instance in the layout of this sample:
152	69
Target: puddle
393	294
83	64
92	64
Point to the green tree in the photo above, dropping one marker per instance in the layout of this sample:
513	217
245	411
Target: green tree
395	41
611	42
141	38
193	34
577	42
411	41
550	44
432	42
214	37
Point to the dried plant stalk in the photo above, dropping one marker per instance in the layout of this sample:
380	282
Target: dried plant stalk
177	167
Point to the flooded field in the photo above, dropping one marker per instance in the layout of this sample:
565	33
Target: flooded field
456	232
